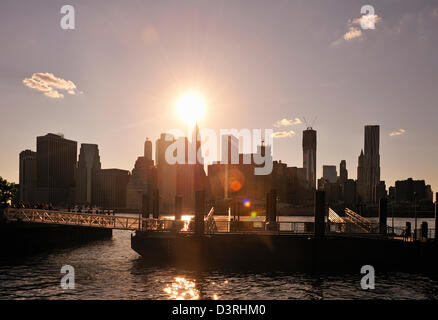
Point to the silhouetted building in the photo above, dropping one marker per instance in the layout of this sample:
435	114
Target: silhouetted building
429	193
369	164
56	165
329	173
298	191
229	149
350	193
343	172
148	150
166	173
28	176
239	180
361	186
405	189
309	156
391	193
379	191
143	179
111	188
333	191
88	167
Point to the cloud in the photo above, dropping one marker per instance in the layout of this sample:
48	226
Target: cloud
352	33
287	122
397	133
355	27
367	20
283	134
50	85
54	94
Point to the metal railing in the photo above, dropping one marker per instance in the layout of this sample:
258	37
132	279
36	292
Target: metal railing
358	220
220	226
72	218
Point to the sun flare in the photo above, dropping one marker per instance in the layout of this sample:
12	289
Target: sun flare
191	107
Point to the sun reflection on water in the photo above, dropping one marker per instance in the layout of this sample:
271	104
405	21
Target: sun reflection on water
182	289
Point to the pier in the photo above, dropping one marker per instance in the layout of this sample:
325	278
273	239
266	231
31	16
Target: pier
332	241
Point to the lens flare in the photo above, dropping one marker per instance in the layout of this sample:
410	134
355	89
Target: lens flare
236	185
246	203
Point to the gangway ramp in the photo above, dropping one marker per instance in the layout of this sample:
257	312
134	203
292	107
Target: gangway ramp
334	217
360	222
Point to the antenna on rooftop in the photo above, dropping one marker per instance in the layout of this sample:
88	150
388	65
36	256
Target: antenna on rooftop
310	124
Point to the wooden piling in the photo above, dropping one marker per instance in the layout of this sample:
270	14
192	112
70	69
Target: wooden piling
383	215
319	213
436	217
145	206
424	230
271	210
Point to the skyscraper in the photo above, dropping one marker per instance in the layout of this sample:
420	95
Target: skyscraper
88	166
143	178
369	164
166	173
56	165
148	150
28	176
343	173
329	173
309	156
229	149
111	188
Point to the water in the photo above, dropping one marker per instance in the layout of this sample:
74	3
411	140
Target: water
110	269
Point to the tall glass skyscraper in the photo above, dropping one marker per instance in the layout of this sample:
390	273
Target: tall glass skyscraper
309	156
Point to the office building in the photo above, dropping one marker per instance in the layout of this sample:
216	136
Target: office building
309	156
343	172
329	173
110	192
369	164
56	165
28	176
143	178
88	167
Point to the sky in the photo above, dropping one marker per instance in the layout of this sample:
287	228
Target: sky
115	79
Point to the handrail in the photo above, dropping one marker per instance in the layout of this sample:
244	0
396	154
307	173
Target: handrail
334	217
358	220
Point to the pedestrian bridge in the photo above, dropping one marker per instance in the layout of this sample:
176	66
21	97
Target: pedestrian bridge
77	219
351	223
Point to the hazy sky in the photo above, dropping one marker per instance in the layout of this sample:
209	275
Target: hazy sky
255	63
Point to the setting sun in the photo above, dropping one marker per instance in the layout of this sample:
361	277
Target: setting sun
191	107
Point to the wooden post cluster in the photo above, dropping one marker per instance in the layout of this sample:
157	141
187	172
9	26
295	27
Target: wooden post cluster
383	215
271	210
319	213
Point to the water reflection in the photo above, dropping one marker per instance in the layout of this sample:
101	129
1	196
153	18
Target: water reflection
182	289
111	270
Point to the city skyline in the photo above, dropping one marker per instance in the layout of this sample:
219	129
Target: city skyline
305	72
151	149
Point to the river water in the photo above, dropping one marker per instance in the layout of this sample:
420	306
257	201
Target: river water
110	269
